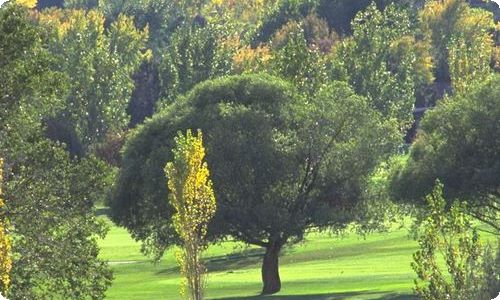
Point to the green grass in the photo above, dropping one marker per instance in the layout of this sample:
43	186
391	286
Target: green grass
323	267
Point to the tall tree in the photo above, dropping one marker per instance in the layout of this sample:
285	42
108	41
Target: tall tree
192	197
470	50
280	164
5	243
56	256
99	64
382	63
460	40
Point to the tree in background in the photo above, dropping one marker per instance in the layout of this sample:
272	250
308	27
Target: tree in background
280	164
281	13
192	197
30	88
382	62
296	61
191	58
461	41
458	143
468	273
99	64
5	244
470	50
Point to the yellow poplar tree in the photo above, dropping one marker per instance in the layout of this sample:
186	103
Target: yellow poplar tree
192	196
5	258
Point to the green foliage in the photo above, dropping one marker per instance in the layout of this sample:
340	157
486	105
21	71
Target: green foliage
99	66
192	197
450	233
283	12
340	13
279	164
315	31
191	58
298	63
380	61
161	17
56	256
458	143
470	50
30	88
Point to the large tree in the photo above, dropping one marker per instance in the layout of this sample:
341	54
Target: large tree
56	256
280	164
459	144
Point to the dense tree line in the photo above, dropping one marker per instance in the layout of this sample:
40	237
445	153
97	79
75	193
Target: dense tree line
302	103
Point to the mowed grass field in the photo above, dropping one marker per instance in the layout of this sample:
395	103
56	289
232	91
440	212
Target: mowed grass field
323	267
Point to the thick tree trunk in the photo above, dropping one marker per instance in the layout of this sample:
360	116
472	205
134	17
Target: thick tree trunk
270	269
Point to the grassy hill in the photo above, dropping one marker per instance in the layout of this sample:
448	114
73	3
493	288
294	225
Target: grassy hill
323	267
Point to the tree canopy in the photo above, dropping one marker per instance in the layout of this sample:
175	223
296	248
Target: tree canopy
279	164
458	143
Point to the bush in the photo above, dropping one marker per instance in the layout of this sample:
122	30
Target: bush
471	272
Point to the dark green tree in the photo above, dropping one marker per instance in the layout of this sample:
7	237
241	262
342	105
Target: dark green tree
459	144
279	164
283	12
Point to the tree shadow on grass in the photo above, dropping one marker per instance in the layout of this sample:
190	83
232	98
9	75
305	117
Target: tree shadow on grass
235	261
228	262
330	296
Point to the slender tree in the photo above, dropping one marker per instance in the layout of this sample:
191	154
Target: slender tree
5	248
193	199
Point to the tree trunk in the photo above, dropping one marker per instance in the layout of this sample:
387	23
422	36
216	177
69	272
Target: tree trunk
270	269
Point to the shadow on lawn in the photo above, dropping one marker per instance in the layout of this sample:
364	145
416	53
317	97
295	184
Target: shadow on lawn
229	262
331	296
235	260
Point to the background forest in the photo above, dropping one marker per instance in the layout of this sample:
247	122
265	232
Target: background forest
319	118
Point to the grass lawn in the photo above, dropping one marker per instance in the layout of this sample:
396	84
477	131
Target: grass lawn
324	267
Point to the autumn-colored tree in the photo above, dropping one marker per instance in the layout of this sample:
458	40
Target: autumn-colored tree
461	41
5	258
27	3
193	199
470	50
